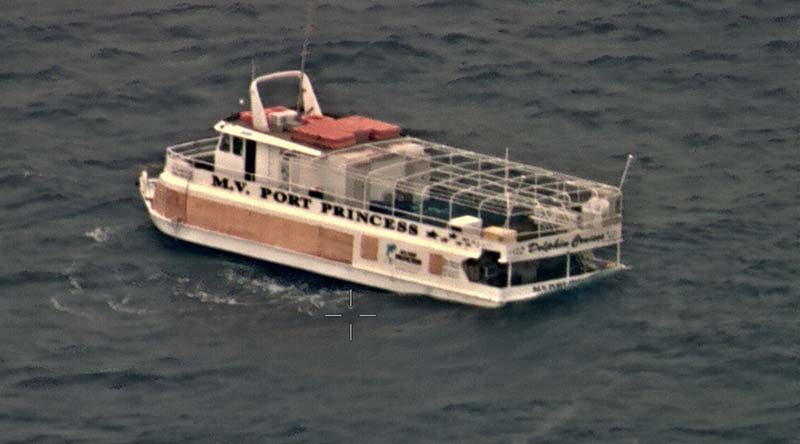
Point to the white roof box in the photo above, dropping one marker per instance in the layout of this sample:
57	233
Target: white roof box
466	224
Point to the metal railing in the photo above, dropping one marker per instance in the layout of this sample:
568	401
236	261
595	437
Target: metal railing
556	196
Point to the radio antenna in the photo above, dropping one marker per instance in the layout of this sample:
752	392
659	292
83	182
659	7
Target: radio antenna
625	171
311	19
505	190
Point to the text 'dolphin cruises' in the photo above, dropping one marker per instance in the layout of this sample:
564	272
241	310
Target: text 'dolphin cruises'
352	198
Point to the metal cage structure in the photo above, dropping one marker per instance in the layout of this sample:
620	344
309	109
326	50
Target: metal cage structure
434	183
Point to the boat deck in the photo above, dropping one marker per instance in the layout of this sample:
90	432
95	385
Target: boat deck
434	183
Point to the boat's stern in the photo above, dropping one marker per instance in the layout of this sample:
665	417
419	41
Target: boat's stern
601	269
147	188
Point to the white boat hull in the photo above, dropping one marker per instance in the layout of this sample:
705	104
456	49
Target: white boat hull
482	296
312	264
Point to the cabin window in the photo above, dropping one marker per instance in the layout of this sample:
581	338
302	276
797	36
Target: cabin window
486	270
225	143
286	166
528	272
237	146
250	160
539	270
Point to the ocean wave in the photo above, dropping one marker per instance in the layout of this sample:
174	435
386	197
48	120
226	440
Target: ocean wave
178	10
608	60
486	76
699	139
587	118
113	378
790	46
460	5
244	9
554	31
384	49
52	73
117	53
645	32
30	277
459	38
702	55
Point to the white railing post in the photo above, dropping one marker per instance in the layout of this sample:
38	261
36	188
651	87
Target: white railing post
568	267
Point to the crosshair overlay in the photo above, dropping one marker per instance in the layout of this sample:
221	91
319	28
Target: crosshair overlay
350	322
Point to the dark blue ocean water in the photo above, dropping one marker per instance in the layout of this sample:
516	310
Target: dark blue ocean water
112	332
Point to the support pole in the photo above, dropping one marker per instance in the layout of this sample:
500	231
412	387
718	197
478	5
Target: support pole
508	274
311	18
567	268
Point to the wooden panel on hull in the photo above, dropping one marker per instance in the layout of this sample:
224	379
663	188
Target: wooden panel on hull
169	203
435	264
369	248
335	245
255	226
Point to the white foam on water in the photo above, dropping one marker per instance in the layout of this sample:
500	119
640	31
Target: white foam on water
310	304
199	294
73	282
276	288
123	307
208	298
256	285
57	305
99	234
269	291
63	308
319	302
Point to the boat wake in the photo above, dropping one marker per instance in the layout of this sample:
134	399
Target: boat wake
206	297
198	293
269	291
255	285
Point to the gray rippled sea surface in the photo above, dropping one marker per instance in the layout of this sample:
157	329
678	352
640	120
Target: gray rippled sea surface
112	332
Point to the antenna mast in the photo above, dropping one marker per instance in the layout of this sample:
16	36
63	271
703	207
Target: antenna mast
625	171
311	18
505	189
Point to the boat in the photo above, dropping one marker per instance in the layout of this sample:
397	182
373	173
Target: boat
356	199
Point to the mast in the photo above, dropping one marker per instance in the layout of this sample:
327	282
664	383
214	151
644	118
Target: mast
505	191
508	216
625	171
311	13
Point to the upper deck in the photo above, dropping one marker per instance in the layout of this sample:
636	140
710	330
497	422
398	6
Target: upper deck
366	164
422	181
